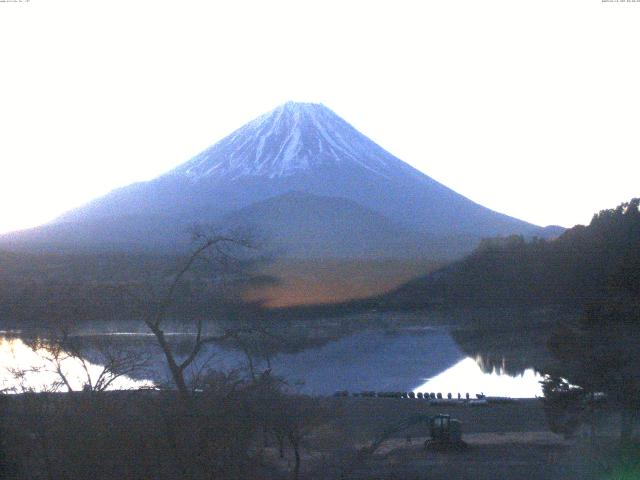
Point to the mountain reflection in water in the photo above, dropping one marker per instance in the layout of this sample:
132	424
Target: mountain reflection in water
404	360
25	369
467	376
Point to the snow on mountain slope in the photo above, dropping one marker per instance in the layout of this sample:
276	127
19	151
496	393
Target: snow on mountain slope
292	138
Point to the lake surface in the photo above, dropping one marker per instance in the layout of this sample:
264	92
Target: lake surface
417	359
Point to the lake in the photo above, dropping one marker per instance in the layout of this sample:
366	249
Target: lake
410	359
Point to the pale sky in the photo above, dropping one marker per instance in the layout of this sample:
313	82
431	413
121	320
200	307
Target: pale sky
531	108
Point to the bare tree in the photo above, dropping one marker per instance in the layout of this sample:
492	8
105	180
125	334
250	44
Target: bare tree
220	253
293	419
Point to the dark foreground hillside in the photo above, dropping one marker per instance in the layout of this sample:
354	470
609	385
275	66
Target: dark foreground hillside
254	434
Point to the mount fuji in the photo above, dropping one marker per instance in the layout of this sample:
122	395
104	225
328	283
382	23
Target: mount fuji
303	178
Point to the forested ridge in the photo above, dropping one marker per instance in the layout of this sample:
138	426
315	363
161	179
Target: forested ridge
584	265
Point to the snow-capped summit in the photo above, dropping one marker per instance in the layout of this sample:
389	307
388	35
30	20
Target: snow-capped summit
293	137
297	147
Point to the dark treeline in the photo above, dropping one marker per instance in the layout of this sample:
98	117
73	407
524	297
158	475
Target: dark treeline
597	354
587	348
584	265
38	288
